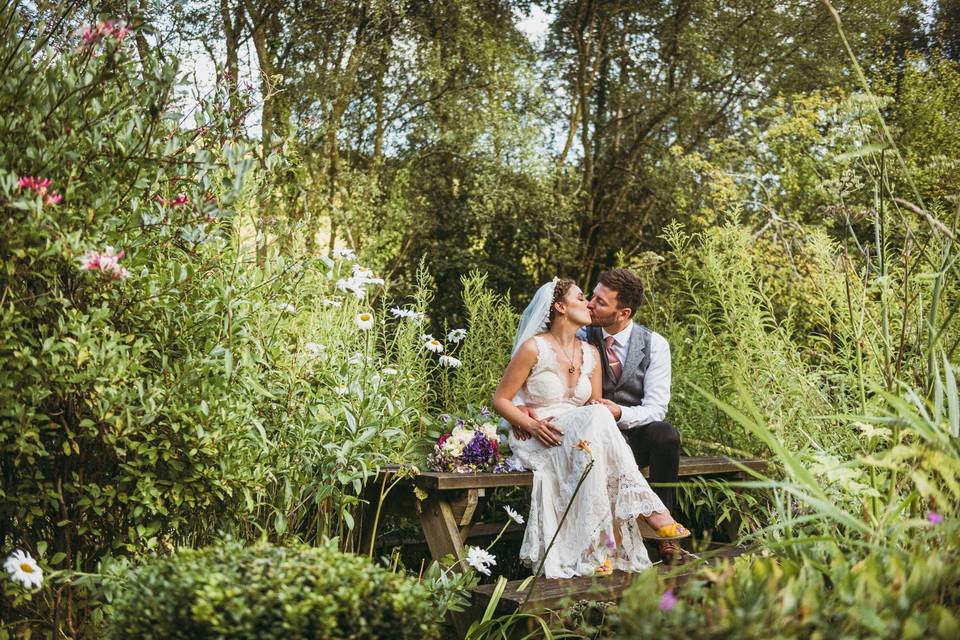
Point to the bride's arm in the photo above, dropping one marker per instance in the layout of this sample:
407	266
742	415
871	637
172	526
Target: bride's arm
513	378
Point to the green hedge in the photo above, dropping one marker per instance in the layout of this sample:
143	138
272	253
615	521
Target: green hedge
265	592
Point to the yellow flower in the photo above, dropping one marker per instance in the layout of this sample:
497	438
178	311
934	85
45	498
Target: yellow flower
584	445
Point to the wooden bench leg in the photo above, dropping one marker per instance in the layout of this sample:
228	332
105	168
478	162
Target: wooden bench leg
440	528
442	531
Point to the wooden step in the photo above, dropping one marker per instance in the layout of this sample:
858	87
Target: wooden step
549	594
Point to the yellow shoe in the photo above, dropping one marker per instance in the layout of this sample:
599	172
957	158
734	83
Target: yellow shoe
672	531
605	569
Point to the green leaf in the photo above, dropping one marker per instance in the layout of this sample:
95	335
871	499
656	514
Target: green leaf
953	401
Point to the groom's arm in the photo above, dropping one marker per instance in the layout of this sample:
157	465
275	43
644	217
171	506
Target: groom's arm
656	388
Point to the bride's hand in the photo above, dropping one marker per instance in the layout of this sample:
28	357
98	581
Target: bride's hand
548	433
519	433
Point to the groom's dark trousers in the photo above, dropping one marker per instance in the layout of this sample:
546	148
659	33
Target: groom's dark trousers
657	444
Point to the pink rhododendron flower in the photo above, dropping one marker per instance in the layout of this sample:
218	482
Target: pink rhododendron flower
40	186
181	199
107	262
113	28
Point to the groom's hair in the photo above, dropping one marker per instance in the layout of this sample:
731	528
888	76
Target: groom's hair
628	287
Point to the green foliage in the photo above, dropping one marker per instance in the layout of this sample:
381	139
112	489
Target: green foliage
486	350
261	591
893	594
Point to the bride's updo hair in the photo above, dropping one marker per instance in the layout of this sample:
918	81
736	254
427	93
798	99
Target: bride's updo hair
559	293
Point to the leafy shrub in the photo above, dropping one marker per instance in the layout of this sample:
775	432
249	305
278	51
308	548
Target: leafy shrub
263	591
889	594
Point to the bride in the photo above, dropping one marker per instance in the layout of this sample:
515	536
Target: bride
560	378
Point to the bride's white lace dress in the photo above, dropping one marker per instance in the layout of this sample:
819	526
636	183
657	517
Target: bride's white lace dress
613	494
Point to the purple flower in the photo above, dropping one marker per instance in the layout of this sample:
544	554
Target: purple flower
444	417
484	412
479	451
934	517
668	601
460	422
512	464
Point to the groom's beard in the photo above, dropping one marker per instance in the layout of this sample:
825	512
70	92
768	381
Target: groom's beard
600	322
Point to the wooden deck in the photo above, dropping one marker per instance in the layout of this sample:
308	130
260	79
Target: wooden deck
551	594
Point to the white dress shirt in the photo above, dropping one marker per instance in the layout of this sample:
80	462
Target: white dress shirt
656	380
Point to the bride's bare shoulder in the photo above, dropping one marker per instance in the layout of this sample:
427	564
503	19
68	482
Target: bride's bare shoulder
529	347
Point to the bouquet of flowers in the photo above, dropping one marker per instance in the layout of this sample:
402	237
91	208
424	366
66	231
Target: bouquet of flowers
472	444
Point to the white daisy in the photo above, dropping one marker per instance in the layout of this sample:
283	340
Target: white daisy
516	517
450	361
343	253
389	371
342	390
314	347
397	312
23	569
481	560
362	272
457	335
286	306
364	321
426	337
336	304
433	345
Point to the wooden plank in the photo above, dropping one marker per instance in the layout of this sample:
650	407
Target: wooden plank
436	480
547	594
689	466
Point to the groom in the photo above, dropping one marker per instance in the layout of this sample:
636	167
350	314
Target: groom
636	377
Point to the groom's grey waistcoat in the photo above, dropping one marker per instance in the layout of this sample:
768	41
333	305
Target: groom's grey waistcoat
628	391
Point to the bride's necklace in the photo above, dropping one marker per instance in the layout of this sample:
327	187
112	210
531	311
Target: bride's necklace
572	368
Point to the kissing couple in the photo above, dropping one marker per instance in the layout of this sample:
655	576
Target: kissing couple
585	382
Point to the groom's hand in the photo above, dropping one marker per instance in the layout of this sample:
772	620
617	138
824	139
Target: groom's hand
519	433
614	408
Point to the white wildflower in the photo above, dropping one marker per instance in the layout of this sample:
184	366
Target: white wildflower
364	321
389	371
457	335
336	304
433	345
426	337
397	312
342	390
516	517
286	306
481	560
489	430
23	569
343	253
362	272
450	361
314	347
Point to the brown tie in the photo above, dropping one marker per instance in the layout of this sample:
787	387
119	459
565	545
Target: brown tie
616	368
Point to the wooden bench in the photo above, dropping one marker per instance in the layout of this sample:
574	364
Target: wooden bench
446	503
